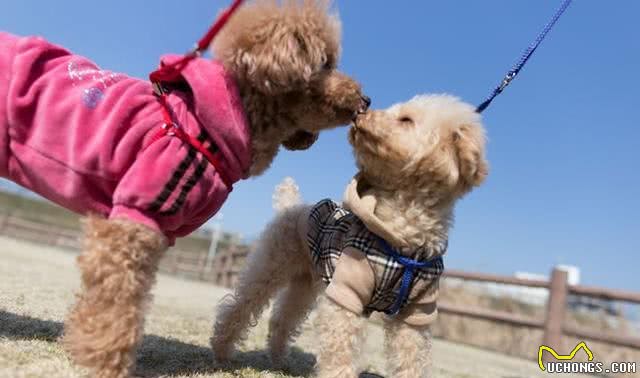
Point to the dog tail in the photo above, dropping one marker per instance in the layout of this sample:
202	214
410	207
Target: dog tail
286	195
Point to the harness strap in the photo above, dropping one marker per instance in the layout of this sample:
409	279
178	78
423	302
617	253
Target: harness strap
170	73
170	128
410	267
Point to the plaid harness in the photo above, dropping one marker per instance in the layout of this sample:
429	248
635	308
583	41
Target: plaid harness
332	229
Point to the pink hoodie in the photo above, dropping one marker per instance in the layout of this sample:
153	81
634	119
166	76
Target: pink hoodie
80	136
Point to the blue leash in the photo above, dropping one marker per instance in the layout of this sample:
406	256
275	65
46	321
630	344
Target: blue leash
524	58
410	267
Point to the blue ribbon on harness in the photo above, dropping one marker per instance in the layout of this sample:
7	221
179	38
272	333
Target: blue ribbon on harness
524	58
410	266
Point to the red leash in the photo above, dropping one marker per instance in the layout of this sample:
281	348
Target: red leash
171	73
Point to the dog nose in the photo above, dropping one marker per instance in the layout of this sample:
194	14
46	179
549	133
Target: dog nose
367	101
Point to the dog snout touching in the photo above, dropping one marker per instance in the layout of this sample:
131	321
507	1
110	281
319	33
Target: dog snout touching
366	100
359	119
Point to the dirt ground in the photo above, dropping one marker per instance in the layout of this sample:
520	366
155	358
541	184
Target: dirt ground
37	285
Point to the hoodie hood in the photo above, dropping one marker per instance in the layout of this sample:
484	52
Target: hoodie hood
359	200
219	109
363	204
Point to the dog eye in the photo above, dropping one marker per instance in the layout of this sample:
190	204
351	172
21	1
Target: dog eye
329	63
405	120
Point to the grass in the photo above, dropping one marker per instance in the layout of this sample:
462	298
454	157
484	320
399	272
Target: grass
36	289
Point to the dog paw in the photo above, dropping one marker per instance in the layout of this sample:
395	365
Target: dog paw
221	353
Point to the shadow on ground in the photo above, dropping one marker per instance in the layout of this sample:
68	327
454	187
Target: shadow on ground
164	356
161	356
21	327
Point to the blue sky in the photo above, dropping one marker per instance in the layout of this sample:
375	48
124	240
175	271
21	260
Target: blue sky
564	138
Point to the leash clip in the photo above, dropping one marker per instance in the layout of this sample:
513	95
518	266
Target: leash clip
195	51
525	57
507	80
169	129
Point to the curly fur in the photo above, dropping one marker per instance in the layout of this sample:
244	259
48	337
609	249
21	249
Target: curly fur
286	195
276	263
284	58
290	310
340	342
420	157
118	266
417	159
409	350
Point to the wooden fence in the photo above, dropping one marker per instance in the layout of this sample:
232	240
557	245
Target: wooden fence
553	324
38	232
221	269
224	267
192	263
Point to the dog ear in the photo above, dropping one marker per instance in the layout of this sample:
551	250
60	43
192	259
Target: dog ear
274	48
301	140
468	142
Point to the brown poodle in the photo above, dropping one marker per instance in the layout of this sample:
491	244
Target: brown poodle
285	59
84	138
415	161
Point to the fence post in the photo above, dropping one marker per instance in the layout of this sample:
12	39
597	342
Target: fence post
556	309
228	269
174	261
4	219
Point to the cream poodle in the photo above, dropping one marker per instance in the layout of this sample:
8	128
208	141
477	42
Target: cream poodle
94	141
379	251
